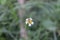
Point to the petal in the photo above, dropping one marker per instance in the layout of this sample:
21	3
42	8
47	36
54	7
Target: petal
26	22
30	18
29	24
27	19
32	23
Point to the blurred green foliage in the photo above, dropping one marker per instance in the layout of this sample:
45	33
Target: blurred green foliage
45	14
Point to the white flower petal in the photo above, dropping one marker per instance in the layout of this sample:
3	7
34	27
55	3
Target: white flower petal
30	18
27	19
29	24
26	22
32	22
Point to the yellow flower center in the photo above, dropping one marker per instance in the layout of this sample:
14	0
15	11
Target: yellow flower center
29	21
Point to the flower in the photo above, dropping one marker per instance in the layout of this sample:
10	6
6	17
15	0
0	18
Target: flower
29	21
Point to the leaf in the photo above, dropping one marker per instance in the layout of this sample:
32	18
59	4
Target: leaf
1	31
2	38
3	2
48	24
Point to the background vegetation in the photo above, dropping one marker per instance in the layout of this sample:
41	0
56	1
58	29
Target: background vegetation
45	14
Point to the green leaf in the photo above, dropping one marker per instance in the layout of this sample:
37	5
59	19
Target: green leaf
48	24
3	2
1	31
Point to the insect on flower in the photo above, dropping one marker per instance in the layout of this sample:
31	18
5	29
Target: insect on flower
29	21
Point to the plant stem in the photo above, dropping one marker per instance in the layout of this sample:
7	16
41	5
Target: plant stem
21	12
55	37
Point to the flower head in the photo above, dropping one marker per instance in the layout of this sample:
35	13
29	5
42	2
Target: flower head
29	21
